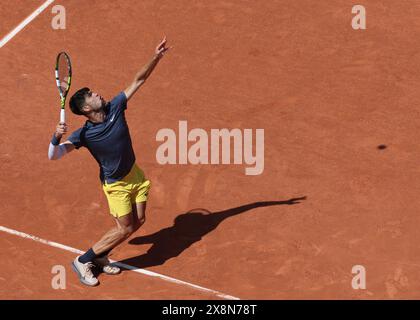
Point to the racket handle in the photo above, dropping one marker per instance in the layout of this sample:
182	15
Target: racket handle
62	116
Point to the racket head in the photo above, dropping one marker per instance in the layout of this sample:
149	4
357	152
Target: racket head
63	73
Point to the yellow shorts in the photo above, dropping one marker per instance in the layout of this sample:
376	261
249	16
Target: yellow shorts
121	195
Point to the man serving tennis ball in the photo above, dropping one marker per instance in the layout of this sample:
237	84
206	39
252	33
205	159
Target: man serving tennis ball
106	135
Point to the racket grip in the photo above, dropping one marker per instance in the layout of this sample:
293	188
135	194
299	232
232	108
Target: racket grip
62	116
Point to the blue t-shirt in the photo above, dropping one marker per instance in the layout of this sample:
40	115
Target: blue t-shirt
109	142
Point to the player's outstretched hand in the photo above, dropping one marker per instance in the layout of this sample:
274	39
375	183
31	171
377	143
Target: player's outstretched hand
61	129
161	48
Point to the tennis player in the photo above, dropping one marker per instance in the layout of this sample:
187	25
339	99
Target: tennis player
106	135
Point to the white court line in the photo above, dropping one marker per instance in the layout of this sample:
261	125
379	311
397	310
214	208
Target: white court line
3	41
123	265
23	24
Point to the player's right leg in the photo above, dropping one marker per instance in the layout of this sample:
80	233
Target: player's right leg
140	187
139	213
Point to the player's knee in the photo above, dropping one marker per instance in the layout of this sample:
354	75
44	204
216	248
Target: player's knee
142	220
129	230
125	232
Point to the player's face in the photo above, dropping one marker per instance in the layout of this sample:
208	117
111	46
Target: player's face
95	101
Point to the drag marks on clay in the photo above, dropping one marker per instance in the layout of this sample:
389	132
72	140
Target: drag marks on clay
288	266
394	228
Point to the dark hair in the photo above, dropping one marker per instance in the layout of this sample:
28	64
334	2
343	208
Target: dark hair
77	101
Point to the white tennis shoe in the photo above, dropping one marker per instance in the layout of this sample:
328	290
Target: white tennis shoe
106	266
84	272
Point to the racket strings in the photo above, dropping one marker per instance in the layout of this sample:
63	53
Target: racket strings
63	73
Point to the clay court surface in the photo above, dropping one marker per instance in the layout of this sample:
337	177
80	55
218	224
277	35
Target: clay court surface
326	96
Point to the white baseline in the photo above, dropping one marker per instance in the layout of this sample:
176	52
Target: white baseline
23	24
123	265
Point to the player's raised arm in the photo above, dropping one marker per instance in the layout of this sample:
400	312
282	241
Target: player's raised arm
56	149
147	69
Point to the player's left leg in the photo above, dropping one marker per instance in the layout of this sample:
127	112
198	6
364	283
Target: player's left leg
139	213
140	192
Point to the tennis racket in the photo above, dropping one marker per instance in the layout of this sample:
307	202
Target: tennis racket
63	79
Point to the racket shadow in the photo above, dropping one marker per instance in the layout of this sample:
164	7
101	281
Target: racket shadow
188	228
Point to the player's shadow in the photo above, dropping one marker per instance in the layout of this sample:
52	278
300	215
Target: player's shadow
187	229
